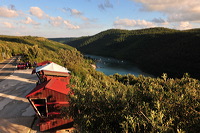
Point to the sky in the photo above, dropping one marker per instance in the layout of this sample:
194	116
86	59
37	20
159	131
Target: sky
76	18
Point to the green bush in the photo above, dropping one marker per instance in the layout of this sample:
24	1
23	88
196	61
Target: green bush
145	105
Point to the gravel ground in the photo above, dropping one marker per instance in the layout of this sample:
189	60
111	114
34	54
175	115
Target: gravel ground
16	113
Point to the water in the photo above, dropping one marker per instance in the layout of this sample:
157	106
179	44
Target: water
110	66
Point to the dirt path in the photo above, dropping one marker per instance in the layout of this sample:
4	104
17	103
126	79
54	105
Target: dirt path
16	113
7	67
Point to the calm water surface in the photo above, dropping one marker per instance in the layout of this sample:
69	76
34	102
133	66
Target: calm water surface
110	66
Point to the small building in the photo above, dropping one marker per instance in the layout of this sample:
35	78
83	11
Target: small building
51	95
43	63
48	99
51	70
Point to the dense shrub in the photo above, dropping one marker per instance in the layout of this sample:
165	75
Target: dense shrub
144	105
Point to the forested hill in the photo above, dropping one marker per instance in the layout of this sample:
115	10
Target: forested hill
122	103
35	48
154	50
63	40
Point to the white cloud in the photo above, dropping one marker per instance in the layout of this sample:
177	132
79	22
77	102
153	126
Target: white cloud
28	20
36	11
161	5
105	5
64	10
70	26
76	13
125	22
56	21
185	25
8	25
158	20
85	18
5	12
176	10
59	21
128	23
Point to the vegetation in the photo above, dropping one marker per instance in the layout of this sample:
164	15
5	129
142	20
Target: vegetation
117	103
35	48
154	50
136	104
63	40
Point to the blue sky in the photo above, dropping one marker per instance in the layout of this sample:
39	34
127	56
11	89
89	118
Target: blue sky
75	18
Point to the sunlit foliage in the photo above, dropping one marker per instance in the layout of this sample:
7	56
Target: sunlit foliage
117	103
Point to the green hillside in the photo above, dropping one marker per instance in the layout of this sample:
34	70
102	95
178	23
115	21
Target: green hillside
115	103
62	40
36	48
154	50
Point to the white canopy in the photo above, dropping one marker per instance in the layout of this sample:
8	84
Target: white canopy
52	67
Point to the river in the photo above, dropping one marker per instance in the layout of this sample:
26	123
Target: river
110	66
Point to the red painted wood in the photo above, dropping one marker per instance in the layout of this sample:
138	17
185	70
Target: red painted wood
55	93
